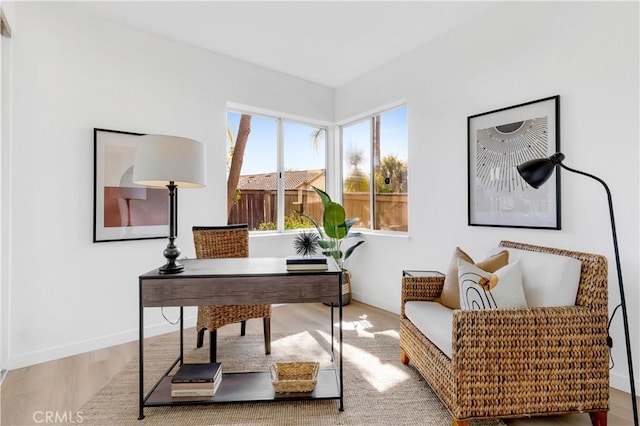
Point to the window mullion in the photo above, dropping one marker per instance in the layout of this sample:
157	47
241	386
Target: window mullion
335	175
372	176
280	191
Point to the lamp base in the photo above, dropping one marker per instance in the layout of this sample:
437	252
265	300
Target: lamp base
171	252
172	267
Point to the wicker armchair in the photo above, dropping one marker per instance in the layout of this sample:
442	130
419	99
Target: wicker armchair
226	241
518	362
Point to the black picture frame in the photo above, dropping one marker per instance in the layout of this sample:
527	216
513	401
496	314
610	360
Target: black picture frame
500	140
123	210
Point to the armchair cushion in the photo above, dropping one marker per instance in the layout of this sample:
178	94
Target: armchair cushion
433	320
548	279
450	296
484	290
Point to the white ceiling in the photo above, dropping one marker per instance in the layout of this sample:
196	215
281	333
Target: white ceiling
326	42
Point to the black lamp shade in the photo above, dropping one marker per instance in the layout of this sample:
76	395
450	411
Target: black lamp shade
537	172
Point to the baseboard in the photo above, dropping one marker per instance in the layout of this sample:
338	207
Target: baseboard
102	342
378	303
621	382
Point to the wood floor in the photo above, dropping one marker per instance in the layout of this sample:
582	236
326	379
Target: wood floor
60	387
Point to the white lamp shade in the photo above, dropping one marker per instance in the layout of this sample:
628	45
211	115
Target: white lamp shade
162	159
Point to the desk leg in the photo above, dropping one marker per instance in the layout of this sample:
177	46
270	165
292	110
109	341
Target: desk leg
333	352
181	335
141	359
340	337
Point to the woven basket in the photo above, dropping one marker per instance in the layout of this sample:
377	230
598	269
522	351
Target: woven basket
289	377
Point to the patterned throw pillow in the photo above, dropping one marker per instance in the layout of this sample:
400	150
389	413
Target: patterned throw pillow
450	296
485	290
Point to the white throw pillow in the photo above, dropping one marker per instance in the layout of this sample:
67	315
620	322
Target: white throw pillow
484	290
548	279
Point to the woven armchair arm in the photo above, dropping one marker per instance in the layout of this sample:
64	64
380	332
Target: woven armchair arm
532	351
421	288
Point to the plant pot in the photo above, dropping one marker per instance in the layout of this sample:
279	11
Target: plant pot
346	289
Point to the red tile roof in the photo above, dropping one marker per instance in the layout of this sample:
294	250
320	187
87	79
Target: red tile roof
292	180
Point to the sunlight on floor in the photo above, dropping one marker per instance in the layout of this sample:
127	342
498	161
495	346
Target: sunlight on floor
360	326
386	376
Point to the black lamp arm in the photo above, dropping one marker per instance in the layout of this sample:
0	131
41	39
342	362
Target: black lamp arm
623	303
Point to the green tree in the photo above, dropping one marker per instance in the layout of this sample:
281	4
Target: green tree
237	157
394	171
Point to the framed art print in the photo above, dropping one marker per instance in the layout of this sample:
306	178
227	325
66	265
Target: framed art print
499	141
123	210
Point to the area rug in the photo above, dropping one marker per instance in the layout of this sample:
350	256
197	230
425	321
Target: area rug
378	388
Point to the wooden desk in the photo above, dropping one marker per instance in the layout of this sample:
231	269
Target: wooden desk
232	282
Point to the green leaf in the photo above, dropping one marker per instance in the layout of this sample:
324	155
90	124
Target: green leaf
333	221
351	249
350	222
322	234
334	214
353	235
324	197
325	244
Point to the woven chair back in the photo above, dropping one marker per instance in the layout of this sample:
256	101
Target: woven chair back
212	242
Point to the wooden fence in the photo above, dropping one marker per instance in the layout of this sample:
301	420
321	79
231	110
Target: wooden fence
259	207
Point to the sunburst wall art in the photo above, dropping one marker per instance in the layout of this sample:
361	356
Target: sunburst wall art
500	140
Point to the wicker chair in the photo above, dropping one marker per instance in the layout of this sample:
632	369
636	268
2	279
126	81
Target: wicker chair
518	362
217	242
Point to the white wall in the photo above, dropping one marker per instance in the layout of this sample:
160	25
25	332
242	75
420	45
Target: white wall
584	51
73	72
5	158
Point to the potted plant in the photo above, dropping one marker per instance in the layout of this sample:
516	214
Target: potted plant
335	229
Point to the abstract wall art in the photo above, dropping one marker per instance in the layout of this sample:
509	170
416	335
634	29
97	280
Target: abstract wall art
123	210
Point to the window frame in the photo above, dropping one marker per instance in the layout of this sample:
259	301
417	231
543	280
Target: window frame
282	118
339	183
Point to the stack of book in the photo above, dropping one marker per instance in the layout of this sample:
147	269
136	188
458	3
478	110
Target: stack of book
307	263
196	380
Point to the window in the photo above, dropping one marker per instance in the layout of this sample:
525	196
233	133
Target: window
272	164
374	170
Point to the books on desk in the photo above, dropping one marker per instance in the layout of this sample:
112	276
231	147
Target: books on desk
196	380
307	263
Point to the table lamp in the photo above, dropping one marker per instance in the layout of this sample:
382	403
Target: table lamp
173	162
535	173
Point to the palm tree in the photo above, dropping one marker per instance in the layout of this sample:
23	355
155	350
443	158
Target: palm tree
357	180
316	136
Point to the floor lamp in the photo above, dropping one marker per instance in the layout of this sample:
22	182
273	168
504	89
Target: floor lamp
172	162
535	173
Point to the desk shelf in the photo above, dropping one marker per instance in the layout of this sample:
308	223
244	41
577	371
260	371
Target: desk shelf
246	387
